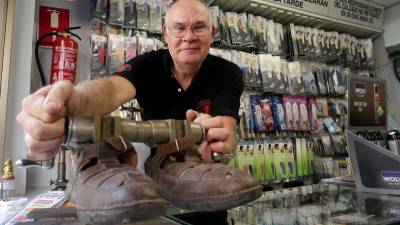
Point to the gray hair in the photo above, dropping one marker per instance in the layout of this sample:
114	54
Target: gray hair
200	1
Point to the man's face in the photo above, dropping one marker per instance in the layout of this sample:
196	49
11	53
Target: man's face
188	32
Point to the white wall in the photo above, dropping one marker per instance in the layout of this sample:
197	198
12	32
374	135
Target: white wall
19	84
384	69
80	16
391	25
24	78
384	65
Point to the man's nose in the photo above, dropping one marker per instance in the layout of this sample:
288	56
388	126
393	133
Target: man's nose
189	36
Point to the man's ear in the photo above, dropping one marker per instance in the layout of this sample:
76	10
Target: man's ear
213	33
164	31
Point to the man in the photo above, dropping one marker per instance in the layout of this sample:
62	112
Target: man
181	82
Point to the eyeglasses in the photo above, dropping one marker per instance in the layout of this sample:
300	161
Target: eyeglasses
179	31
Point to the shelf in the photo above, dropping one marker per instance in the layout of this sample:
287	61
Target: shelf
285	15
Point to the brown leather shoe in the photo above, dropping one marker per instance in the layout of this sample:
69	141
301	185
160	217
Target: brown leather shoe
108	192
197	185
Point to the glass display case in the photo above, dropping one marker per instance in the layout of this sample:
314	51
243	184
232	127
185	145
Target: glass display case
312	204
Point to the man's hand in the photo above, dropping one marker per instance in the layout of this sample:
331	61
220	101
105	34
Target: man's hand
220	133
42	117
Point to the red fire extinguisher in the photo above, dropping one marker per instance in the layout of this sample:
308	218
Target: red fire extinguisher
64	56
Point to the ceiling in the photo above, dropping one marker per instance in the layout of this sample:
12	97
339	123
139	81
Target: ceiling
385	3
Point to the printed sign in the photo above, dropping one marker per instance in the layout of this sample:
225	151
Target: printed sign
321	7
367	102
52	20
358	11
391	178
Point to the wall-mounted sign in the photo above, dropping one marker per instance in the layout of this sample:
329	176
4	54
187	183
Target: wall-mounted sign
366	103
52	20
356	11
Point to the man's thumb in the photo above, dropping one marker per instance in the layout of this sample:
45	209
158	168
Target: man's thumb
57	96
191	114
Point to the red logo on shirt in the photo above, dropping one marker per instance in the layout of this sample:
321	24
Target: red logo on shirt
125	68
204	106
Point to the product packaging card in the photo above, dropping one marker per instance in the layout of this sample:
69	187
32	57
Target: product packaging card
308	79
369	53
262	42
279	113
278	159
100	10
272	39
130	14
225	39
254	68
269	162
297	85
131	47
98	45
299	159
301	40
233	27
265	62
310	157
277	74
287	103
143	14
267	114
215	17
155	20
259	161
320	77
313	114
116	56
309	35
285	76
252	25
316	43
245	65
257	113
244	32
116	12
304	120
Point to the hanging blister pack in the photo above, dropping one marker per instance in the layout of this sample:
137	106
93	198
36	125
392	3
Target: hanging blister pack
130	14
301	40
320	77
269	162
99	12
304	120
252	25
272	39
309	80
354	52
287	104
232	18
285	76
262	43
224	30
215	17
329	80
244	32
267	71
143	14
339	143
322	107
131	47
277	74
267	114
362	57
155	20
257	113
278	113
295	112
116	12
296	83
116	56
313	114
259	163
339	80
249	71
308	33
369	53
327	43
335	44
254	68
98	56
316	43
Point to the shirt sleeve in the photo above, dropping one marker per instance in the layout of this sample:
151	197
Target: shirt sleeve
227	100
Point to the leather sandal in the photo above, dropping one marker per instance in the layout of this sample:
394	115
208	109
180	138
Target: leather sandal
108	192
197	185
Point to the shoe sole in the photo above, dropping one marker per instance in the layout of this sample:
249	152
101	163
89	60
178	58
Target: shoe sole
124	214
214	203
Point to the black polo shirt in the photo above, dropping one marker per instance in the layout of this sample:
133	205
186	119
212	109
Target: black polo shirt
215	90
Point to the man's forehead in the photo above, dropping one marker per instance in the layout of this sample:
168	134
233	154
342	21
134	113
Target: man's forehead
188	11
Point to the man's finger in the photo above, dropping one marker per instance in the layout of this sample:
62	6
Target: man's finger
57	96
191	114
217	134
42	156
44	131
36	146
211	122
